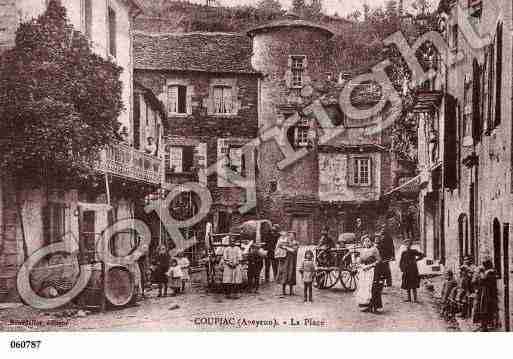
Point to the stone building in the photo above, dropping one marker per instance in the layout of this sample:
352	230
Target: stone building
465	142
211	94
335	182
32	218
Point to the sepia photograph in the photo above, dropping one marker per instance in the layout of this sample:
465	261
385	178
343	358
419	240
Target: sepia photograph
235	166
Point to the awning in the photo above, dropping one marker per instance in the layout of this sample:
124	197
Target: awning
426	101
408	188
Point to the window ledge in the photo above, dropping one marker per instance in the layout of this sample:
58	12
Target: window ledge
223	114
179	114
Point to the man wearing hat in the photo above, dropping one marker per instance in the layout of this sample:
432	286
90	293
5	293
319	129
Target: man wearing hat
325	242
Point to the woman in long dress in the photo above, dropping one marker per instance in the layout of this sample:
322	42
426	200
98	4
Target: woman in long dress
232	272
287	248
486	302
368	294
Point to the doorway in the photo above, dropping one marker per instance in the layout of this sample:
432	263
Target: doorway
505	246
463	237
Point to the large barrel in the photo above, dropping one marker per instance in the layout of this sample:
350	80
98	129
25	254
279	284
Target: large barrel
122	284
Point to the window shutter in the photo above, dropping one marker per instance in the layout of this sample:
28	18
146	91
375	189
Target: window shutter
188	99
296	136
172	99
371	173
175	159
484	102
498	84
182	99
187	158
450	143
201	150
476	101
46	214
137	120
288	73
351	163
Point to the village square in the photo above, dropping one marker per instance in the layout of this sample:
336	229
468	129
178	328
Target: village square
173	165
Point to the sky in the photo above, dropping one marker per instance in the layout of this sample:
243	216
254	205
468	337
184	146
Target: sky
342	7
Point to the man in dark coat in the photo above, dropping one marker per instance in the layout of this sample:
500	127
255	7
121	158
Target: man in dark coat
270	246
387	251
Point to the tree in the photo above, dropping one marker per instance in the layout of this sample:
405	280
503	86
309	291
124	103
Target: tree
59	101
310	11
270	6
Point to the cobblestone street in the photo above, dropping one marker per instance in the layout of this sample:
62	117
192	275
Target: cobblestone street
197	310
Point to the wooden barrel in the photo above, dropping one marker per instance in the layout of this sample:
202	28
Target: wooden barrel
122	284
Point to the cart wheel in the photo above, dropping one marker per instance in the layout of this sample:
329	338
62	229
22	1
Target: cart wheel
349	279
319	279
327	279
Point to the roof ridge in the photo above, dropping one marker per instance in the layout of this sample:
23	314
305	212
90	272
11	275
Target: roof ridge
178	34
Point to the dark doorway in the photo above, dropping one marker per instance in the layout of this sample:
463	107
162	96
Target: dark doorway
505	241
463	237
497	246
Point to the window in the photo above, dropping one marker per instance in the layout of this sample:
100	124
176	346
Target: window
53	222
454	37
466	129
177	99
236	160
223	101
361	172
87	17
181	159
498	82
297	69
112	32
302	134
491	76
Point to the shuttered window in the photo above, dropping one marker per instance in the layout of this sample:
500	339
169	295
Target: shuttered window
476	101
181	159
498	84
223	100
450	143
112	32
177	99
54	225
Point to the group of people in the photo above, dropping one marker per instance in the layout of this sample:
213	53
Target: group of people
472	295
375	273
171	272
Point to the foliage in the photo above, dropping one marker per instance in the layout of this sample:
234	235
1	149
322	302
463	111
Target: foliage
60	101
269	6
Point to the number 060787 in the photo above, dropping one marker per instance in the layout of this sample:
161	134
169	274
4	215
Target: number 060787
25	344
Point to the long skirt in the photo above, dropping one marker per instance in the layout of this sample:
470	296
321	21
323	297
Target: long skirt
287	269
364	291
232	275
369	289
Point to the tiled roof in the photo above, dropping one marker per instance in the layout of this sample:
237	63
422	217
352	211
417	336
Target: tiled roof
206	52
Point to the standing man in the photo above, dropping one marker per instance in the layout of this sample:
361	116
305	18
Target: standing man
387	249
270	247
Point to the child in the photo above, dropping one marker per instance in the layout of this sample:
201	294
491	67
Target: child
408	265
307	271
255	264
447	288
175	276
184	264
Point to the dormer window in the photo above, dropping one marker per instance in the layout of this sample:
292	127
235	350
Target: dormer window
223	100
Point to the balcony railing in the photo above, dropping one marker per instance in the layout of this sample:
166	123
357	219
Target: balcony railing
130	163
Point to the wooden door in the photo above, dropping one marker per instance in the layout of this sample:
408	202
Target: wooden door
300	226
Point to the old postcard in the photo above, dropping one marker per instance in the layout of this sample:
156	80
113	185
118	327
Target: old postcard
272	165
